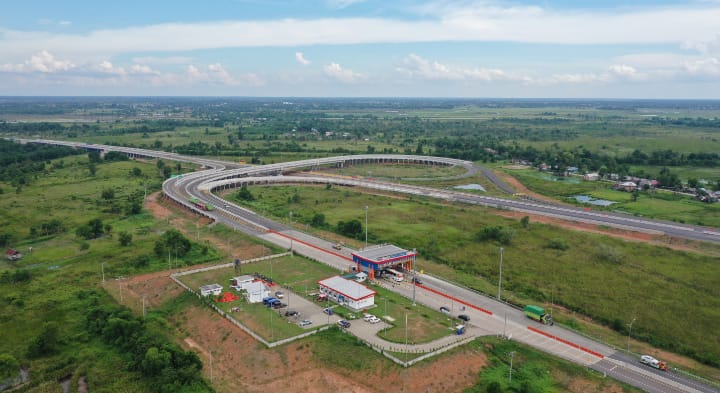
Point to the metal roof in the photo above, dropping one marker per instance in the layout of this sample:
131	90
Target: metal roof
382	253
347	288
210	287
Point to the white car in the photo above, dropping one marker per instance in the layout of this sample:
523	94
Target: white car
368	317
374	320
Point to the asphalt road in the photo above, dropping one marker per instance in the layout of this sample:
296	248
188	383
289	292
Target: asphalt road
512	321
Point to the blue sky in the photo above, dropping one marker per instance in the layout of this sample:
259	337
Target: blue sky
472	48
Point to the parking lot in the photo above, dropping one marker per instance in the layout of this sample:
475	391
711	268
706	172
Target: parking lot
310	310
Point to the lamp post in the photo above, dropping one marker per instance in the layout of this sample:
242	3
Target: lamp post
102	268
406	337
629	331
512	355
500	277
366	225
290	219
211	367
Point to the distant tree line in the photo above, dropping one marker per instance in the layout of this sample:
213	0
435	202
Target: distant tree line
19	162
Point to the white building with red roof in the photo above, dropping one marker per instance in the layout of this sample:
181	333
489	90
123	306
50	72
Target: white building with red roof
347	293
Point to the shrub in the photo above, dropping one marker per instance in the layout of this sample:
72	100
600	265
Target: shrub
558	243
499	233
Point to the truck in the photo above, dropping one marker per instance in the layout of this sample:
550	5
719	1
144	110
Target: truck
202	205
652	362
537	313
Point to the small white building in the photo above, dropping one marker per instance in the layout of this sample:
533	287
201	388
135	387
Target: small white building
591	176
361	277
347	293
256	291
211	289
240	282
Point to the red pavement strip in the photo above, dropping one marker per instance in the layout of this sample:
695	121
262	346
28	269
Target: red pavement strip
570	343
488	312
309	245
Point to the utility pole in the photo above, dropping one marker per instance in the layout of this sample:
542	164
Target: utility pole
143	307
512	354
414	283
120	285
366	225
102	267
629	331
272	330
505	325
211	368
406	337
290	219
500	277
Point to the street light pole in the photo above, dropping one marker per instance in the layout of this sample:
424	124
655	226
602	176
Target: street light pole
366	225
102	267
406	337
500	277
512	355
629	331
211	368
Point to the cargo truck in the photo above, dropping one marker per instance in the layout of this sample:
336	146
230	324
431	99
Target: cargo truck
652	362
538	313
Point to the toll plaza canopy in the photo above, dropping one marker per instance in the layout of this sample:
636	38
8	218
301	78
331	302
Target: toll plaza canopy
376	258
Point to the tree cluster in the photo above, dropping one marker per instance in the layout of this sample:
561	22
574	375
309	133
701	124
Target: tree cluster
165	365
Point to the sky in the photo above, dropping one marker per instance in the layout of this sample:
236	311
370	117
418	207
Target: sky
362	48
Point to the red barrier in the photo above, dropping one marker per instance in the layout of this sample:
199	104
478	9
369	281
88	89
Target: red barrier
435	291
309	245
566	342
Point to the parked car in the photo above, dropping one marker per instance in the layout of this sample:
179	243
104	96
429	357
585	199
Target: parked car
464	317
279	295
374	320
291	313
343	323
445	310
305	322
279	304
328	311
368	317
417	280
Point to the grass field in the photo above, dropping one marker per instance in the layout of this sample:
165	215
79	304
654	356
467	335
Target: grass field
606	278
659	204
63	268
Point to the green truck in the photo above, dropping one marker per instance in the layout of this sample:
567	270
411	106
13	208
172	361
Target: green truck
538	313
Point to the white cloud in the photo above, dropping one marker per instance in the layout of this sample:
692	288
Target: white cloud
622	70
108	68
301	58
467	22
704	67
418	67
711	47
41	61
216	74
142	69
334	70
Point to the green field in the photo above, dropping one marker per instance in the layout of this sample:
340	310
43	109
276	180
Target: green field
609	279
659	204
65	271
